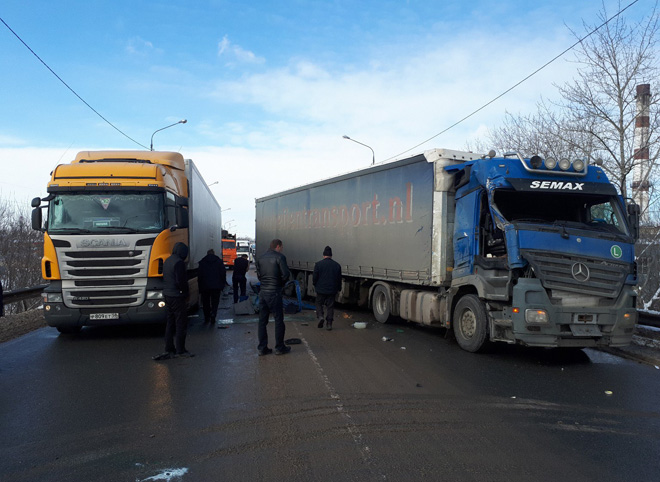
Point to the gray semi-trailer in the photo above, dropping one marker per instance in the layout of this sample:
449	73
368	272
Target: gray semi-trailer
529	251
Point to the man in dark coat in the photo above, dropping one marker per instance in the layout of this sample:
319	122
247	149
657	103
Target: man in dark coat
273	273
327	283
175	291
211	277
239	277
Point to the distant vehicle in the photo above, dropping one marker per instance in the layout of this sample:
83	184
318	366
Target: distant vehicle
243	247
228	248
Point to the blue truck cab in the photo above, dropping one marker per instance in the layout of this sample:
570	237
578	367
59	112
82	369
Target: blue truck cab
543	254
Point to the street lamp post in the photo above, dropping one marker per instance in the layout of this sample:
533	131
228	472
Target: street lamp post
373	159
182	121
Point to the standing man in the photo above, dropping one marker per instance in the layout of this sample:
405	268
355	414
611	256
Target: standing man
212	278
273	273
175	291
327	283
239	278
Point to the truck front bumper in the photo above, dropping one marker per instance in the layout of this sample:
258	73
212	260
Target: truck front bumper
571	326
61	316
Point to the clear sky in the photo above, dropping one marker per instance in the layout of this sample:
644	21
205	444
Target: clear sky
270	87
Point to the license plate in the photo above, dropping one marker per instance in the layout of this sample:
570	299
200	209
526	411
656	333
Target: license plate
585	330
104	316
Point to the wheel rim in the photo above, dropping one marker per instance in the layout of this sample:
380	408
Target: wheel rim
380	302
468	324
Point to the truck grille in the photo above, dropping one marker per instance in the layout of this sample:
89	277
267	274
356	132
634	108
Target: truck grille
104	277
606	278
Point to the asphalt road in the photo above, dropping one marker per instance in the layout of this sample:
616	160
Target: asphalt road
342	406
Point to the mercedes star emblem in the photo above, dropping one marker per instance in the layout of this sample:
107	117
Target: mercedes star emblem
580	272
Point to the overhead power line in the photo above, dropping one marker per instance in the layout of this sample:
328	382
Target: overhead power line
518	83
68	87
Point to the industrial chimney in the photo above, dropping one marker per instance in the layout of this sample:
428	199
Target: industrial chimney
642	167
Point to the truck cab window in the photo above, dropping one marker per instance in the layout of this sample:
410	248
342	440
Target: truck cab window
107	212
591	212
492	238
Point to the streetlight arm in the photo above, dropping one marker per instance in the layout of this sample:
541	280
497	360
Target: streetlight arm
373	154
182	121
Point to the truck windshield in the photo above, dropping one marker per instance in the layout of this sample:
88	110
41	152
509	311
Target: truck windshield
106	213
585	211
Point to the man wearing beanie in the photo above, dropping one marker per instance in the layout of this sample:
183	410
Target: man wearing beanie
327	283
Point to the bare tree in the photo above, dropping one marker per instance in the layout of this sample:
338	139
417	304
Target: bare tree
21	249
595	116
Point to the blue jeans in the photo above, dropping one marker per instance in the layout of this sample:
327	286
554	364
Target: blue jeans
271	302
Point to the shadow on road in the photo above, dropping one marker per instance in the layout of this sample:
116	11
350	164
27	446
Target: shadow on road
117	332
503	351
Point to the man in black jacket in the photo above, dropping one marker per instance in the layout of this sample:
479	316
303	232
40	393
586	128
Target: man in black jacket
273	273
327	283
212	277
239	277
175	291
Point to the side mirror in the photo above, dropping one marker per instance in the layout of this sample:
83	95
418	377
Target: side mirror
36	219
36	202
183	218
633	219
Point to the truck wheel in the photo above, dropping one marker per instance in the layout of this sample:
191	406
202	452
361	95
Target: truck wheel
69	330
381	303
470	324
301	278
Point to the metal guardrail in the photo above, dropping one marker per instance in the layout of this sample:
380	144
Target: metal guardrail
648	319
15	296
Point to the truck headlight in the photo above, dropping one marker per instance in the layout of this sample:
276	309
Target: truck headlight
536	316
154	295
53	297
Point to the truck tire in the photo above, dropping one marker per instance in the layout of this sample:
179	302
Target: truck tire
470	324
381	303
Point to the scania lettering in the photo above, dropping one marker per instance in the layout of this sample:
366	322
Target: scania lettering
497	249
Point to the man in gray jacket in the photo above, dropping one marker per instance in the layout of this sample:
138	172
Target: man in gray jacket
273	273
